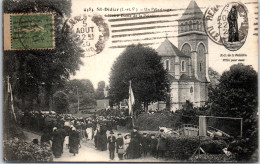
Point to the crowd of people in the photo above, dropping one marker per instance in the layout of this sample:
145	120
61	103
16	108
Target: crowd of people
63	130
130	145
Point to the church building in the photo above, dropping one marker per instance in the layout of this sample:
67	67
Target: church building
187	65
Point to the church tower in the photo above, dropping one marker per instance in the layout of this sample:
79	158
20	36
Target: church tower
193	42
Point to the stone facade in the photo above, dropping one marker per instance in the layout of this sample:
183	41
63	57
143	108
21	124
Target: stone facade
187	65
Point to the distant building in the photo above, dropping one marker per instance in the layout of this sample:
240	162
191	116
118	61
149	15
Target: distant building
187	65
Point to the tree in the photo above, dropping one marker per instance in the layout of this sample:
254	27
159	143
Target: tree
214	77
50	69
236	96
142	66
100	90
61	102
82	89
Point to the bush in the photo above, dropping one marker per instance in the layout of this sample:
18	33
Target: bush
244	148
181	147
16	150
147	121
213	146
212	158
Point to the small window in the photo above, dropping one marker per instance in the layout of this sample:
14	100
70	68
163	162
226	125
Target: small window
186	26
182	27
191	89
182	66
200	67
167	65
198	25
190	26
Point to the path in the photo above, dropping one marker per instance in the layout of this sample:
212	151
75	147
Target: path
87	153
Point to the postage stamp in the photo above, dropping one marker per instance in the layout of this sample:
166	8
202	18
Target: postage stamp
29	31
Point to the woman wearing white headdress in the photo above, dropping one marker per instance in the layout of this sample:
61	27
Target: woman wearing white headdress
56	143
74	141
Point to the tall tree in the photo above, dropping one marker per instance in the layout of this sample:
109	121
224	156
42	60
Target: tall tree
81	90
61	102
49	69
142	66
236	96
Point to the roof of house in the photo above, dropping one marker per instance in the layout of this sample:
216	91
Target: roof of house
168	49
192	12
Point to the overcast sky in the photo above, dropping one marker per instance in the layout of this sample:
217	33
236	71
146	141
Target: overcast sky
97	68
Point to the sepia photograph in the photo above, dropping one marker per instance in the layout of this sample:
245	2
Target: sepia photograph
130	81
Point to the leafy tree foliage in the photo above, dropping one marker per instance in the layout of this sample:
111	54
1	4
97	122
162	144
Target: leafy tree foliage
214	77
82	89
100	90
61	102
32	69
143	67
236	96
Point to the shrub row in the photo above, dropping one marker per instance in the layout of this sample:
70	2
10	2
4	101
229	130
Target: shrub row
183	147
212	158
16	150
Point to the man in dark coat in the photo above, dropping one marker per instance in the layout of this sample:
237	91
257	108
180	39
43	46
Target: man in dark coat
161	144
135	144
111	145
74	141
63	134
145	144
102	138
119	146
153	145
56	143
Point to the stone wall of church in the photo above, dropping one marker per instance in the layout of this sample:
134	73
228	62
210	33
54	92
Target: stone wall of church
203	93
196	102
171	60
186	92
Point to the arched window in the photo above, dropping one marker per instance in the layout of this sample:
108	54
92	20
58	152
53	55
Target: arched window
167	65
190	25
181	27
198	25
186	49
182	66
201	57
186	26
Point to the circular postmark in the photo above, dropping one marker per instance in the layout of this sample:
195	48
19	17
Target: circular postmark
233	26
91	31
210	21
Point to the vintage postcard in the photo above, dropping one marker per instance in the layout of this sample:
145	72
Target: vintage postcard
130	81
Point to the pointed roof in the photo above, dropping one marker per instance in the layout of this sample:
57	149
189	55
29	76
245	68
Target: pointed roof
168	49
192	12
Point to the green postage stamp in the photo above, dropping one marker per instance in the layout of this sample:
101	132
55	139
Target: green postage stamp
30	31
